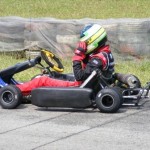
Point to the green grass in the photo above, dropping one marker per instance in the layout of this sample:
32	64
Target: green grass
141	68
8	60
76	9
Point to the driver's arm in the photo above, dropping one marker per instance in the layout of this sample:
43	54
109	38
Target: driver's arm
80	73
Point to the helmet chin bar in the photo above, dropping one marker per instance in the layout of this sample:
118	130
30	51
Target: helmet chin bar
51	59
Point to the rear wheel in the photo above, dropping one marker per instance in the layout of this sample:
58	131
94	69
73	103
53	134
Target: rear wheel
10	97
109	100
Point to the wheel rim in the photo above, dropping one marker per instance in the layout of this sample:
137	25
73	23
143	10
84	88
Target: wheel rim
107	101
7	97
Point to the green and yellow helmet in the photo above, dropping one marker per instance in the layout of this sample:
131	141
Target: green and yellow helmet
94	35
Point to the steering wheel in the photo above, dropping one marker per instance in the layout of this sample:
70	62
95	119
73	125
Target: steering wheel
53	61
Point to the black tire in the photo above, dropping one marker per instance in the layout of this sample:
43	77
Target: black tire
10	97
119	91
109	100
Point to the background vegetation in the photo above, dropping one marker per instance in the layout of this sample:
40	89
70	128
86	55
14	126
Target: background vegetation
77	9
72	9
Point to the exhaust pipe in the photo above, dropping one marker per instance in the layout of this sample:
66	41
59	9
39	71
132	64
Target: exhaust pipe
128	79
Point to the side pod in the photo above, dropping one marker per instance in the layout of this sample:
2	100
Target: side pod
62	97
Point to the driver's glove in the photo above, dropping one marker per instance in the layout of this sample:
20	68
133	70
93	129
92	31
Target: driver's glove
80	51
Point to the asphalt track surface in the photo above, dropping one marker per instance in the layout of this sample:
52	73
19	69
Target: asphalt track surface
33	128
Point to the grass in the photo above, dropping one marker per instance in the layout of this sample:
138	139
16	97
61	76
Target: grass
141	68
76	9
9	60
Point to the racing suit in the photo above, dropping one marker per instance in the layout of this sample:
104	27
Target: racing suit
102	59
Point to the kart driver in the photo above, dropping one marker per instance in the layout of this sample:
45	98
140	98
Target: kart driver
92	53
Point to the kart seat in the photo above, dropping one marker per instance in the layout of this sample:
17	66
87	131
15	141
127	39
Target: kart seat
70	77
7	73
67	77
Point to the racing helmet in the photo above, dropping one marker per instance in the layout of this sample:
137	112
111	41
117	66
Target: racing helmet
94	35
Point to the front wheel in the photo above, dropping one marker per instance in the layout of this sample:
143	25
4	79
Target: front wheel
10	97
109	100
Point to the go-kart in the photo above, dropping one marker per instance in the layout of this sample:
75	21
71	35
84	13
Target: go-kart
94	92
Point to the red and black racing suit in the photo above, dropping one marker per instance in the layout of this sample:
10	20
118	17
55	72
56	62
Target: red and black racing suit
102	60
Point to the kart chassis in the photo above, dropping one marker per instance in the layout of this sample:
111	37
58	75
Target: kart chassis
104	99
